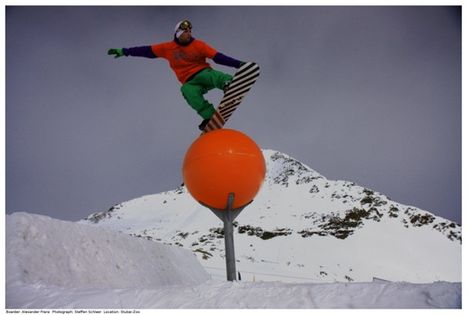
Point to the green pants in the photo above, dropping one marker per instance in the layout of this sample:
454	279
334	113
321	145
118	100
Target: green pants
199	85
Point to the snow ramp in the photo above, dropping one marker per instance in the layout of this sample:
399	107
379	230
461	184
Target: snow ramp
45	251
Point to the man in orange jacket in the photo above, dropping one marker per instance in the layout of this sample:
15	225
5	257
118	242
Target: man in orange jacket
187	58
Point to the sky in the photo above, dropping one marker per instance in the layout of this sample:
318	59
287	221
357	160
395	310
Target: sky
370	95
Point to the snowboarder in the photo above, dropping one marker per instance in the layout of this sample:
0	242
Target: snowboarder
187	58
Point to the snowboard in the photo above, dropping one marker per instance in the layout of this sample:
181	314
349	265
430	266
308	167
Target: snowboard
240	84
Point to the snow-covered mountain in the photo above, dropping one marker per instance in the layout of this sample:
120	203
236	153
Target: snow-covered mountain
302	227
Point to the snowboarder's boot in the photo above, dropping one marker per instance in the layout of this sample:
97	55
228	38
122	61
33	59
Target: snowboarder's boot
203	124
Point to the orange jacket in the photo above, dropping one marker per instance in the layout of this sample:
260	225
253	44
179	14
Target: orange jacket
185	61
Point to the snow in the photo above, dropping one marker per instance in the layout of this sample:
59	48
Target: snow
57	264
65	254
392	242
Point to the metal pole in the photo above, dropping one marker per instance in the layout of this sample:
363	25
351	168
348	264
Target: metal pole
227	216
229	239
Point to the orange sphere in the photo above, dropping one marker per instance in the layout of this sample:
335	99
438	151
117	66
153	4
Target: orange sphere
220	162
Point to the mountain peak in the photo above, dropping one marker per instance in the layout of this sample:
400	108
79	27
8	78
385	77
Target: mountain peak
283	169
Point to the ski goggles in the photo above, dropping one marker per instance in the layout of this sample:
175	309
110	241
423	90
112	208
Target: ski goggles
185	25
182	27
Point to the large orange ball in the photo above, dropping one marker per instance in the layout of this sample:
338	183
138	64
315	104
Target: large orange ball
220	162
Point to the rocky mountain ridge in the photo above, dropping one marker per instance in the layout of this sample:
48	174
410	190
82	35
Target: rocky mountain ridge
298	214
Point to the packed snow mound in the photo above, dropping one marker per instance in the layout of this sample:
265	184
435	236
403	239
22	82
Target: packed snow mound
45	251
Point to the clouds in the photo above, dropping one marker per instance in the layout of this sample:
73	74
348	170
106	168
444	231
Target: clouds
368	94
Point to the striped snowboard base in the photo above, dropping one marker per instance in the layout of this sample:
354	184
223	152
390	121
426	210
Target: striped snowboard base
241	83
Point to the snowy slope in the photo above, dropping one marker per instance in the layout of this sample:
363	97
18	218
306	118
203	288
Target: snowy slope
302	227
56	264
43	250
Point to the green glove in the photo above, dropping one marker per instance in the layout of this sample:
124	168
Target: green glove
118	52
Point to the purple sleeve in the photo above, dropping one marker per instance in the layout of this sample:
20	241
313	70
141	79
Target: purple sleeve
142	51
226	61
